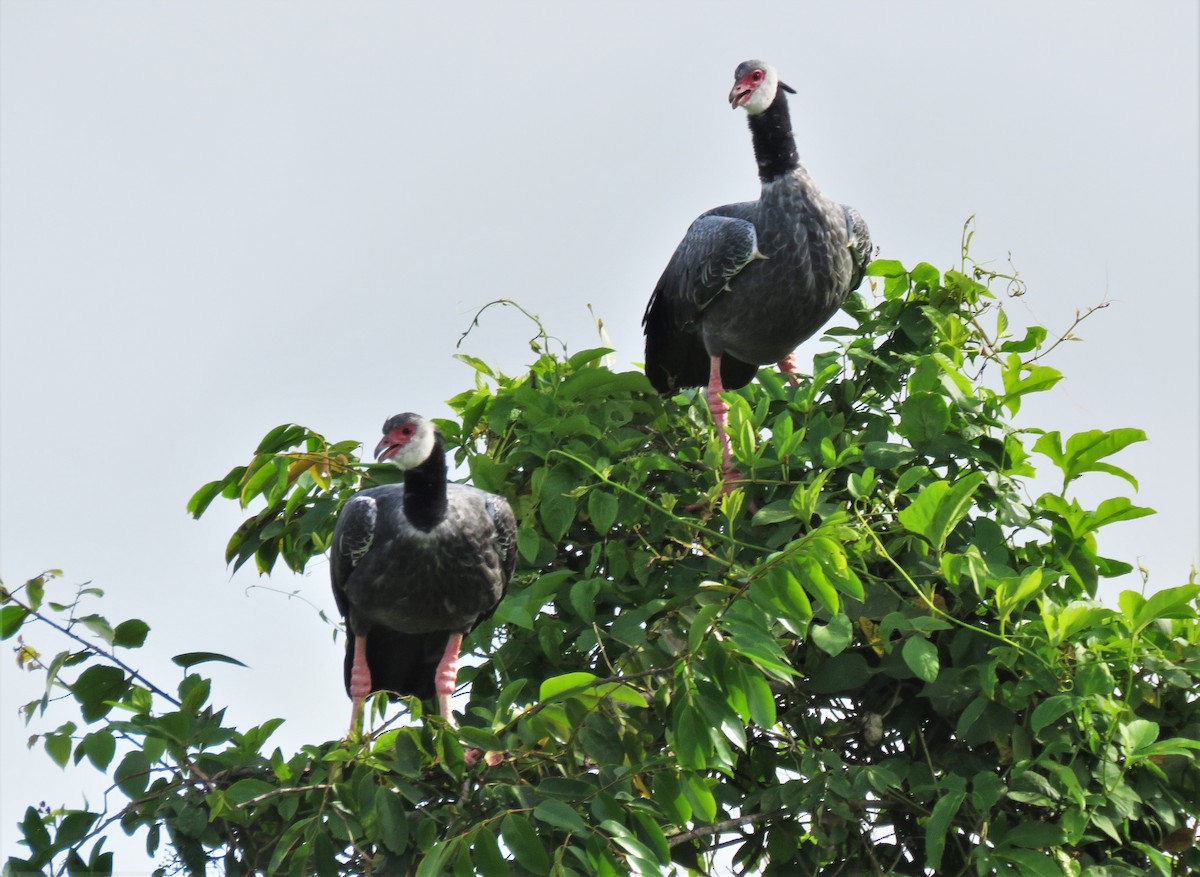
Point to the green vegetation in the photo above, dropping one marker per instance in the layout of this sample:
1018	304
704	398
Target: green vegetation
879	655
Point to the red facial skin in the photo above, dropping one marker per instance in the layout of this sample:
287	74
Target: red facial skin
744	87
394	441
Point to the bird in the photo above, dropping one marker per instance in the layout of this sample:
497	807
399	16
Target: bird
414	567
750	281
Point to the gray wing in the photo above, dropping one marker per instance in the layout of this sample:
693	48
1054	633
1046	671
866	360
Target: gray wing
352	539
506	534
860	244
714	250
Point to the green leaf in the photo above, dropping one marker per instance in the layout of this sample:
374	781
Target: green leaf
560	815
99	746
887	455
73	828
602	509
772	513
760	699
203	497
131	634
393	822
11	619
99	626
522	841
191	659
529	542
557	513
924	416
58	747
811	575
692	738
133	773
488	860
1117	509
937	829
476	363
266	472
1012	593
35	832
558	687
1036	864
921	656
885	268
1051	710
480	738
1178	602
939	507
700	796
244	790
832	638
669	795
702	623
96	688
582	597
437	856
1020	379
1137	734
1084	451
583	357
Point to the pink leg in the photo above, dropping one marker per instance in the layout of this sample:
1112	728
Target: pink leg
788	366
445	680
360	679
720	414
447	676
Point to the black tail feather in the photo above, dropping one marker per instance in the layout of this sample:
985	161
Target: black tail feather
677	358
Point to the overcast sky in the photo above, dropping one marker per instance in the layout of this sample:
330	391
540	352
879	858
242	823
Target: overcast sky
218	217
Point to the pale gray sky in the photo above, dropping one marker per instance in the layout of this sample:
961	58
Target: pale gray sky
218	217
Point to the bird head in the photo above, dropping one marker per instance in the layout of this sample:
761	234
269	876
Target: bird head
408	440
755	85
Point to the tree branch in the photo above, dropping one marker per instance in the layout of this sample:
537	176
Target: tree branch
720	827
91	647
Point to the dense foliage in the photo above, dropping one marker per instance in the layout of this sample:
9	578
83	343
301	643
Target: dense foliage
879	654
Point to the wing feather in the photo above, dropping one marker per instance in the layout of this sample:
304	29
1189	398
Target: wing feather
352	539
715	250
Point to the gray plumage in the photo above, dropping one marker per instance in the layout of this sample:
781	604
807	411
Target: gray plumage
750	281
413	563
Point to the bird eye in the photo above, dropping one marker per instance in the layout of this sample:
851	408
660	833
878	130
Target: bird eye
407	430
758	75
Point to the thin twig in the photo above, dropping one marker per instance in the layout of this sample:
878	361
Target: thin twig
91	647
1068	335
275	793
720	827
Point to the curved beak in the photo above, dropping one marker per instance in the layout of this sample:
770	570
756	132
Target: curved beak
384	448
739	94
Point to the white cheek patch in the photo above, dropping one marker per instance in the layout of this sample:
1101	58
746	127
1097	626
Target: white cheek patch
418	449
763	96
